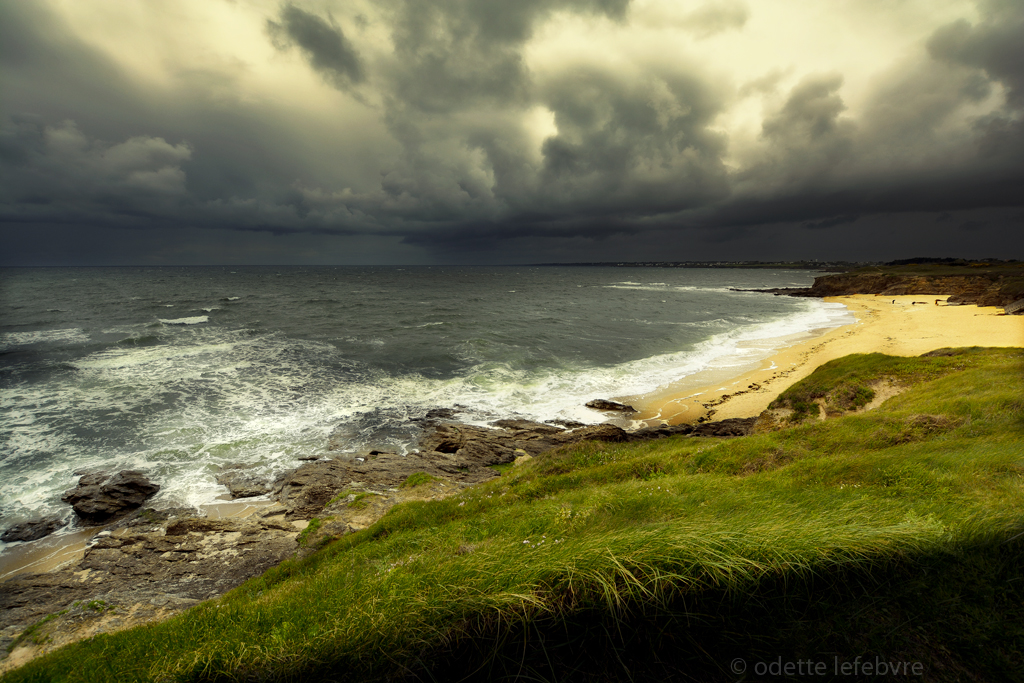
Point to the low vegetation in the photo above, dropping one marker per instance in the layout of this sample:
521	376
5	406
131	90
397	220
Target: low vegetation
309	531
847	384
895	534
417	479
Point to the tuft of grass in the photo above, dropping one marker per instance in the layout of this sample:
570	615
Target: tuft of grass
894	533
344	493
417	479
97	606
359	501
314	525
33	633
356	499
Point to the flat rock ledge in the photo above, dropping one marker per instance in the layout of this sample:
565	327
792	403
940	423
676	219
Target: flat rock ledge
149	567
152	564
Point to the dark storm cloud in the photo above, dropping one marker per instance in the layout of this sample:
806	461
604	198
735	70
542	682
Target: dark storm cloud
822	167
82	144
59	172
639	147
322	41
456	166
454	54
994	45
807	138
634	153
810	113
455	95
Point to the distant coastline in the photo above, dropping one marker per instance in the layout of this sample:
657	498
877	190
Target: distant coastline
779	265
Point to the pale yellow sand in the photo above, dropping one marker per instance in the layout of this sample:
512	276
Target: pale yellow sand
902	328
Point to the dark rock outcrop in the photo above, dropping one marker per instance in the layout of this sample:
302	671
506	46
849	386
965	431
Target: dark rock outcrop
455	452
604	404
470	443
32	530
241	482
734	426
99	497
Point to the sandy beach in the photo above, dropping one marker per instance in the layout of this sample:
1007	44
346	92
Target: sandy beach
900	326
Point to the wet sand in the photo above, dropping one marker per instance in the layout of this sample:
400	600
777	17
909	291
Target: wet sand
899	326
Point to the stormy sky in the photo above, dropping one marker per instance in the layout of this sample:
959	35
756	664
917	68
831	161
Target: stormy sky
512	131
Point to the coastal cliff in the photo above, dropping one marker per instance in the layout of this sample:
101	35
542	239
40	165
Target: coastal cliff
967	285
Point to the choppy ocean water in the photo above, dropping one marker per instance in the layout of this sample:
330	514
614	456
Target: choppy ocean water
178	371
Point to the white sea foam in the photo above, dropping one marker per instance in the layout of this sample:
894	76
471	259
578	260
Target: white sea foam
205	397
663	288
269	418
561	393
72	335
491	390
193	320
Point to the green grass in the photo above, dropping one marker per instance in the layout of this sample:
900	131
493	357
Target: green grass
417	479
845	384
309	531
894	533
32	633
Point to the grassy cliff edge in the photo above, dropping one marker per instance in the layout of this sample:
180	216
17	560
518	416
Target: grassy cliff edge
894	534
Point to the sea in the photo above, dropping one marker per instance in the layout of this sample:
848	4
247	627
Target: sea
178	371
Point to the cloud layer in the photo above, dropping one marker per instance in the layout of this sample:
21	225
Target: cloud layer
474	131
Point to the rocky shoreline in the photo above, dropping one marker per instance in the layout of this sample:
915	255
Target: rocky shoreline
147	564
989	289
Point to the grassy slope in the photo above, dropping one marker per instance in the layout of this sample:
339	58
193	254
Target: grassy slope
881	534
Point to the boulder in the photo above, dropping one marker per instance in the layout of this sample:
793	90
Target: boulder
601	432
483	453
603	404
660	432
242	483
100	498
32	530
734	426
